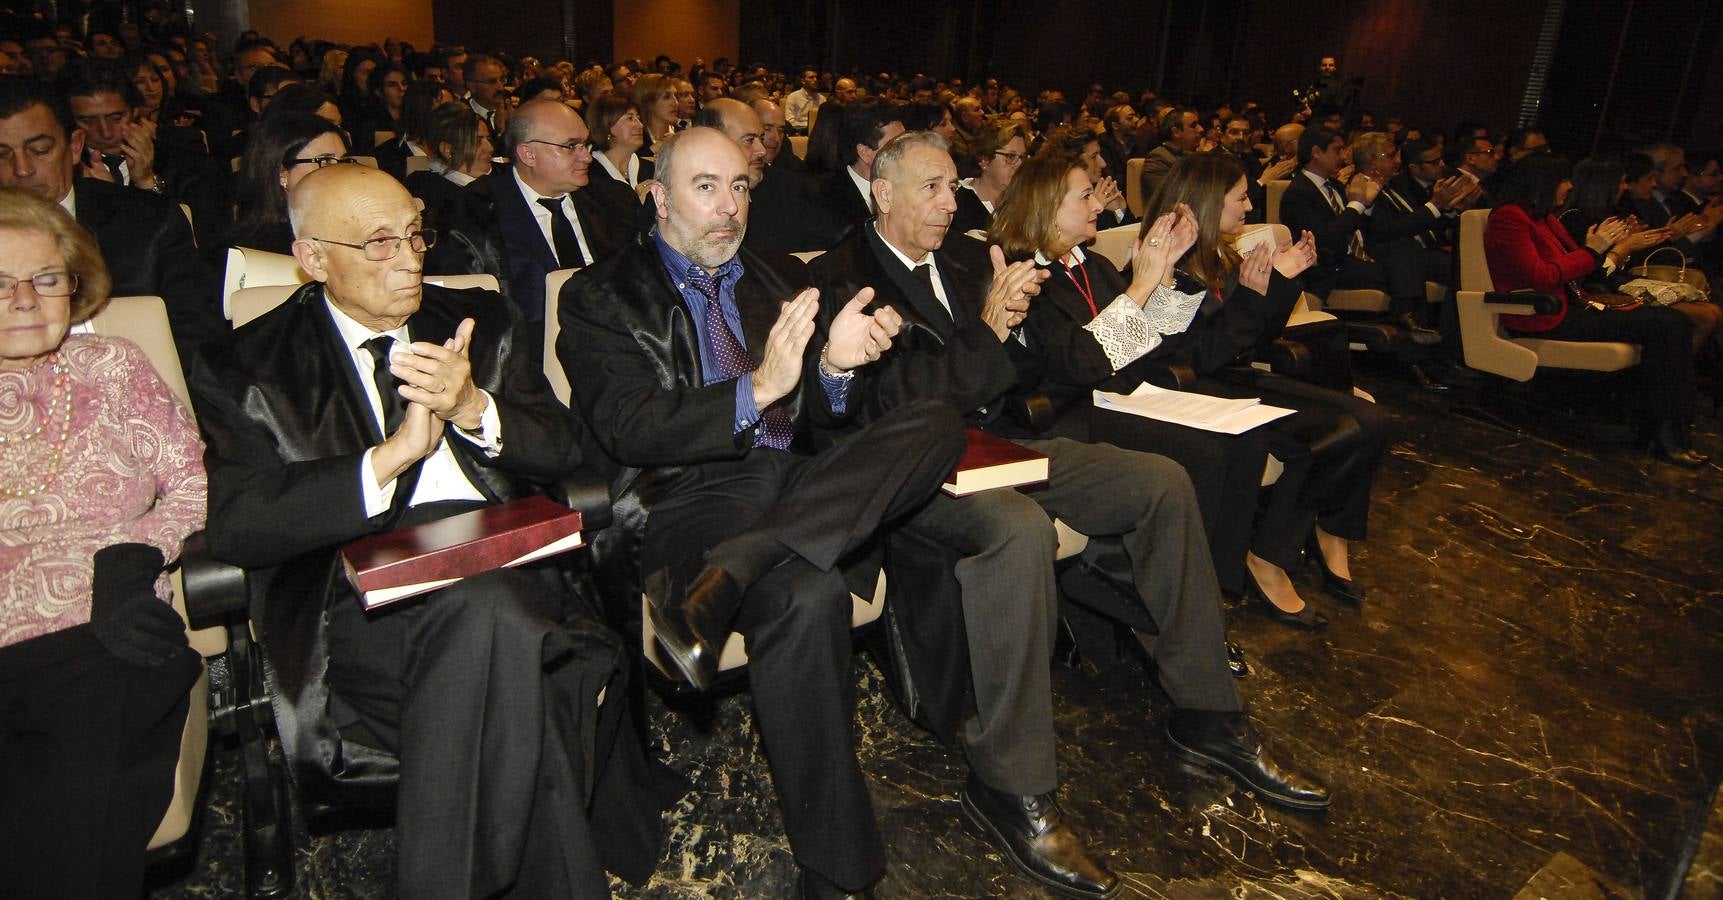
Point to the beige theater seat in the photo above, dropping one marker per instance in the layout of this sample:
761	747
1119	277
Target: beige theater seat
1271	200
416	164
799	145
808	256
144	321
381	137
863	610
1115	244
1134	198
250	268
1487	345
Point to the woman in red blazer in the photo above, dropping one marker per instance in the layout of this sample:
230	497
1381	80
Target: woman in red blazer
1528	249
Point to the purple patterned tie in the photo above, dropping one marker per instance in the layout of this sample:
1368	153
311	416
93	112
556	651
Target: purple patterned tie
734	360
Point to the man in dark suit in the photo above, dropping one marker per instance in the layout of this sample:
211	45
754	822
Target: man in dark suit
524	220
777	199
145	240
132	151
1235	139
1478	158
369	401
1118	140
696	364
1180	131
1337	215
841	200
775	135
960	345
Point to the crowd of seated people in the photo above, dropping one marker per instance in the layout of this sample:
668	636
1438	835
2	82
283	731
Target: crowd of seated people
772	417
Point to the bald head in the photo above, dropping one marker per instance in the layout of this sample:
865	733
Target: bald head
741	124
330	193
702	195
549	143
1286	139
344	215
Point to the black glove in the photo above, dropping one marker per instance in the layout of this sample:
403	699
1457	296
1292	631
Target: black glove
126	616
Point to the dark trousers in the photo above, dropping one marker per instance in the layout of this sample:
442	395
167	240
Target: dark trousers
796	617
490	700
1005	545
88	745
1141	516
1225	471
1331	449
1665	339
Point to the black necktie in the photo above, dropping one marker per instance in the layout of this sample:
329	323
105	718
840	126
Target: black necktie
394	409
113	163
924	274
562	237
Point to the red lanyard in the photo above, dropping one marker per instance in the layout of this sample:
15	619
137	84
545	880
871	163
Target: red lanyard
1086	288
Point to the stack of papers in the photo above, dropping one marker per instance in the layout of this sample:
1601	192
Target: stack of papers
1217	414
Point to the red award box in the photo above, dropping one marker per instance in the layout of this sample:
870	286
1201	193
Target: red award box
993	462
395	565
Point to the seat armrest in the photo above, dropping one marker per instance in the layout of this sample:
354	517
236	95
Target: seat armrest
1172	376
590	494
212	589
1033	411
1518	303
1289	358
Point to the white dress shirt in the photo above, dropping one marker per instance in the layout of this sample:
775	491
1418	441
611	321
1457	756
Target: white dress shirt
542	216
441	477
630	178
926	260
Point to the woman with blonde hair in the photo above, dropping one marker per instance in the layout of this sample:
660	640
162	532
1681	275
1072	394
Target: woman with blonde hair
654	96
101	480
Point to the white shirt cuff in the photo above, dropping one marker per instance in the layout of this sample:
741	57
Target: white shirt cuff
1359	205
377	499
489	437
1434	209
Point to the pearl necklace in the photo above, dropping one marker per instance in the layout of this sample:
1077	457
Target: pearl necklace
14	447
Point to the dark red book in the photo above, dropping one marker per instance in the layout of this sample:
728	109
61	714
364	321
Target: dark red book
993	462
395	565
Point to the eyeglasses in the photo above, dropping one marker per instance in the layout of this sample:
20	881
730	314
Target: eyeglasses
321	162
571	146
387	248
45	284
1011	159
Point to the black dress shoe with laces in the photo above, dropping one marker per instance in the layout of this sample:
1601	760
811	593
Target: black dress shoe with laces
1416	333
1226	742
1034	836
814	886
692	620
1668	443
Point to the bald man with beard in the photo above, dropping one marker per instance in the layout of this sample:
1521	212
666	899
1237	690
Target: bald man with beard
367	402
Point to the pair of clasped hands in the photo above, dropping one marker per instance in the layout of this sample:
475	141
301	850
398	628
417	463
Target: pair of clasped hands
858	337
1173	234
437	383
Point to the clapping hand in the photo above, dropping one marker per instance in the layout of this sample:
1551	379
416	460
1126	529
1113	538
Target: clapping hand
1605	234
780	367
858	338
1293	257
440	377
1107	191
1007	302
1254	268
138	145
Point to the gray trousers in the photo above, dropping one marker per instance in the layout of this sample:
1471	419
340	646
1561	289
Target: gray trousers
1010	601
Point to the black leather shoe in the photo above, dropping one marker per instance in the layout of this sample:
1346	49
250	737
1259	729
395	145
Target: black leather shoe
1422	379
693	621
1033	834
1333	585
1226	742
1307	618
814	886
1668	444
1451	373
1417	334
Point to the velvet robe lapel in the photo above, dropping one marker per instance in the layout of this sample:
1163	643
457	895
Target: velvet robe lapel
894	286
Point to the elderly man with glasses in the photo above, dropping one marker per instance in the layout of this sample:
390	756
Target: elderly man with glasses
527	219
367	402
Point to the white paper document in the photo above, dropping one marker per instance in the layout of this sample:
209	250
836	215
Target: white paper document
1217	414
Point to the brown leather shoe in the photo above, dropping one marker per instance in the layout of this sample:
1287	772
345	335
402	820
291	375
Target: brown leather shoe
1033	834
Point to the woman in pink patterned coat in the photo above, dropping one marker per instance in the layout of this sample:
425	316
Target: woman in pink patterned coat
101	480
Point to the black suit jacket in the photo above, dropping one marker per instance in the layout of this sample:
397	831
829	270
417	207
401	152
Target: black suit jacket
1304	208
836	208
1117	156
632	356
956	358
971	213
788	161
287	424
435	191
149	250
1401	211
779	218
489	229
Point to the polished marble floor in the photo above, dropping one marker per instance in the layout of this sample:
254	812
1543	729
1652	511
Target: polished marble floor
1531	705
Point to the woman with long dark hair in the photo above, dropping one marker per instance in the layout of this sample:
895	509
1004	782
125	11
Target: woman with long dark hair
283	149
1528	249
